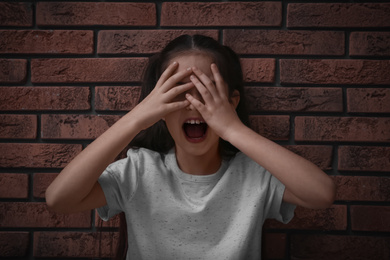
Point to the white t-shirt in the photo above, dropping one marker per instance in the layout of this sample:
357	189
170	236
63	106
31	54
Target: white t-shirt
174	215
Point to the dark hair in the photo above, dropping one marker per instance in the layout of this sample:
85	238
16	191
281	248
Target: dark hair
157	137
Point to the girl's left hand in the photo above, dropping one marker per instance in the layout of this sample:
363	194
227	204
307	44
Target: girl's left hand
217	110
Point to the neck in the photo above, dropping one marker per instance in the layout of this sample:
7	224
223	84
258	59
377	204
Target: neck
199	164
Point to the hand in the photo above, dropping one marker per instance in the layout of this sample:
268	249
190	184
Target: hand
218	111
160	101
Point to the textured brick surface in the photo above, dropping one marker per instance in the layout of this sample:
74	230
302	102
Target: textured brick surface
333	218
41	182
285	42
370	218
362	188
342	129
75	126
346	15
14	244
18	126
87	70
325	247
106	14
364	158
272	127
261	99
116	98
44	98
141	41
13	71
46	42
258	70
335	71
75	244
320	155
369	44
13	185
37	155
221	14
39	216
16	14
368	100
274	245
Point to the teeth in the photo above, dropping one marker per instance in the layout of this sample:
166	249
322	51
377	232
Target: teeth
193	122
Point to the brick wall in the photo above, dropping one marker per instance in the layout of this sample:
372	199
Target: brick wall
317	79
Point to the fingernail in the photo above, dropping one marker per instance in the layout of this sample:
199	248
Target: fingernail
174	63
192	77
189	68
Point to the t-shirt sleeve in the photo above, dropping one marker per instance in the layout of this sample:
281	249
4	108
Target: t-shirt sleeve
276	208
119	183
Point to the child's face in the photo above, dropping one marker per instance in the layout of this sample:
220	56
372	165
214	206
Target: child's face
191	134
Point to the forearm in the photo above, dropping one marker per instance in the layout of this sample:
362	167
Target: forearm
306	185
78	178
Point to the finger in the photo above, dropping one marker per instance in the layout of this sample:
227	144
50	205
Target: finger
178	90
166	74
206	95
175	78
171	107
196	103
206	81
219	81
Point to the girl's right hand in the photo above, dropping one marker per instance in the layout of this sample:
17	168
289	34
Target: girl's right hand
160	101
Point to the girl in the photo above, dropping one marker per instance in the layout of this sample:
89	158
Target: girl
197	182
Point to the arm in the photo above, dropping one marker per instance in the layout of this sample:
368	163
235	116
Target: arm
306	185
76	188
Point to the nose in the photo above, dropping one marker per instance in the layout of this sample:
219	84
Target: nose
195	93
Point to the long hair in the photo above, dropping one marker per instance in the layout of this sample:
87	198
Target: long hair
157	137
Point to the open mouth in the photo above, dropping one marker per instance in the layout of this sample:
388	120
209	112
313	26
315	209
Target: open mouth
195	130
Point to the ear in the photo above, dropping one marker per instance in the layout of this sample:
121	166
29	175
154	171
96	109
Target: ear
235	98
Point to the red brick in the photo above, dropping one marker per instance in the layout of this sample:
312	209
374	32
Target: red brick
346	129
41	182
258	70
13	214
335	71
285	42
364	158
141	41
75	244
94	14
38	155
271	127
369	44
338	247
46	42
13	71
320	155
368	100
370	218
87	70
18	126
260	99
333	218
362	188
13	185
14	244
221	14
342	15
274	245
116	98
16	14
75	126
44	98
